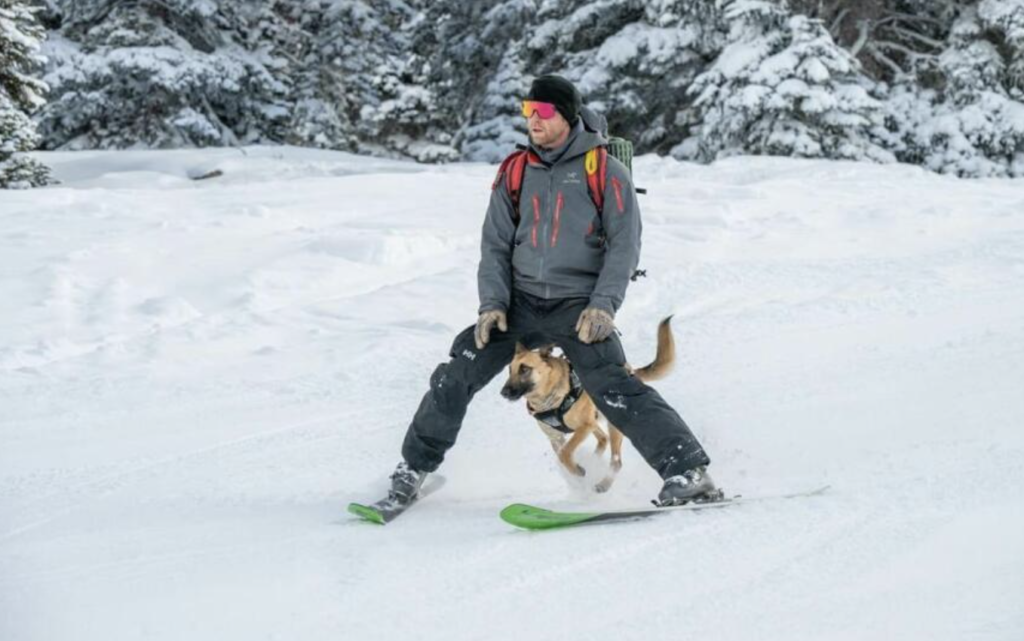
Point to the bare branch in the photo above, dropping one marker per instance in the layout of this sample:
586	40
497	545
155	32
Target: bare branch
897	71
920	38
921	18
864	30
909	53
834	27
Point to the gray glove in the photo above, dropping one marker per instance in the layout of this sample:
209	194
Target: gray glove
485	323
594	325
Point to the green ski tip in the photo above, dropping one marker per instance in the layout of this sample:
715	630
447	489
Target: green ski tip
366	513
535	518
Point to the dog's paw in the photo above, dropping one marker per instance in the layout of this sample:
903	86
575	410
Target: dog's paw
580	471
603	486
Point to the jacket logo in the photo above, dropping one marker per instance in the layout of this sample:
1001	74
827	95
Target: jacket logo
571	177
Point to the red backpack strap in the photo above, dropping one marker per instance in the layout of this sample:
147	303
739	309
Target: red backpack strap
512	170
596	164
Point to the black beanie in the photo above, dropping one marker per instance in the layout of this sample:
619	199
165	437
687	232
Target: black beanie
559	92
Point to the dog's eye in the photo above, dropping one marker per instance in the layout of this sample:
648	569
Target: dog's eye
524	370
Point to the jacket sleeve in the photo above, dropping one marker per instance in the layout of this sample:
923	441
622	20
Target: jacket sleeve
621	220
494	275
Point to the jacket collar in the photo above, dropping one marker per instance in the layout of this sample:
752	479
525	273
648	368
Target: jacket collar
580	141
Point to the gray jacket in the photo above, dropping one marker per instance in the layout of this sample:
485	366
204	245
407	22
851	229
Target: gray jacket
561	247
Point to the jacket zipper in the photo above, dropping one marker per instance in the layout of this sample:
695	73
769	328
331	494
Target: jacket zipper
551	201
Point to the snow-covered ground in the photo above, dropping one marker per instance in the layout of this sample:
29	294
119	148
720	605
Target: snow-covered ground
196	377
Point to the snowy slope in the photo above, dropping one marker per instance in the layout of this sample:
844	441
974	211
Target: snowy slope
196	377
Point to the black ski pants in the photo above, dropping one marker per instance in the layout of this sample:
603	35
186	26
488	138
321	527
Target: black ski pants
640	413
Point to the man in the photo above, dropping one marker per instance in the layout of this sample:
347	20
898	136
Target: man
553	270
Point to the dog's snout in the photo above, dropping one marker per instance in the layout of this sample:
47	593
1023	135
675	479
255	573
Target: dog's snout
511	392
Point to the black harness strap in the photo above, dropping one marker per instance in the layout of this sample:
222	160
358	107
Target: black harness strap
555	417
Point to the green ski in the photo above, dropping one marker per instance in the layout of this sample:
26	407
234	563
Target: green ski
388	509
530	517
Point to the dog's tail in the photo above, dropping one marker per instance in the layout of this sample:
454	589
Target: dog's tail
665	357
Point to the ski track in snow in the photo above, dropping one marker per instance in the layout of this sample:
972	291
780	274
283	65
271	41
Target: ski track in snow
197	377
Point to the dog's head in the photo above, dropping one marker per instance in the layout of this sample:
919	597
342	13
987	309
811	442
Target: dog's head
527	371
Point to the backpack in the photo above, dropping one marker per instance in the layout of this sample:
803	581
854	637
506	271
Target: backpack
513	168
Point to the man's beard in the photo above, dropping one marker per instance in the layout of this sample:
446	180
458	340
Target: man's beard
537	144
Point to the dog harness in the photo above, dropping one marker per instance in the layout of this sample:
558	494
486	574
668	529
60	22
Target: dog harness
555	417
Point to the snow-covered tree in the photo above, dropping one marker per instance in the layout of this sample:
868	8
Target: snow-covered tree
163	73
1005	19
393	107
356	82
498	125
21	94
437	80
319	112
970	125
632	61
471	54
781	86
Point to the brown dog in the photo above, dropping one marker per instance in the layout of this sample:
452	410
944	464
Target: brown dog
556	399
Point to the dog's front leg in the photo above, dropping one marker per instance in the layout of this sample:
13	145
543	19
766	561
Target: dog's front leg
616	438
556	438
602	441
565	455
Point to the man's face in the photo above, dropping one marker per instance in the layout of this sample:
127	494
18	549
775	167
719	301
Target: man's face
547	132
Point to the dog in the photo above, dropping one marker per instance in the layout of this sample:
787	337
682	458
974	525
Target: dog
556	399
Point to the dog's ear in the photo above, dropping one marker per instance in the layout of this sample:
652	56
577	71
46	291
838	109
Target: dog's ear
545	351
520	348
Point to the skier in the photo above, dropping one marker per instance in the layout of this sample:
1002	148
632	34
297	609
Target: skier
557	273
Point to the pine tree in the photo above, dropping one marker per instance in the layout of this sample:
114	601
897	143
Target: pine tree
320	108
403	116
782	86
436	80
164	73
632	61
498	125
470	56
970	124
1005	18
357	85
21	94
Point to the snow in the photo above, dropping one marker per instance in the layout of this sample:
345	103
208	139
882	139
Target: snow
660	44
197	376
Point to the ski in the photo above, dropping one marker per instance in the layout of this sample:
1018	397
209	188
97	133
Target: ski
530	517
388	509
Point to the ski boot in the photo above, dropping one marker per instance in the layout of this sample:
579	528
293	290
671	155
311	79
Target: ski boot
405	483
692	485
